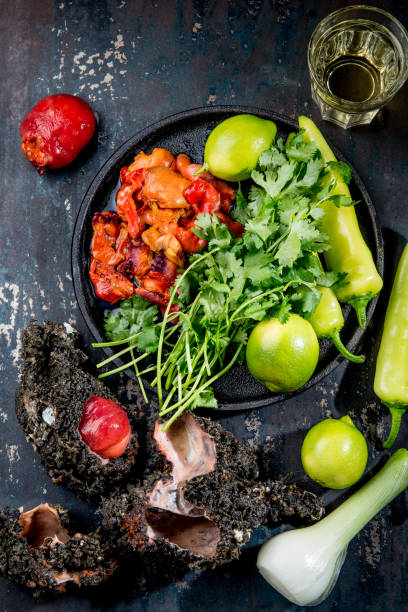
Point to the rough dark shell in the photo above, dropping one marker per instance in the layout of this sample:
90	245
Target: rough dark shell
289	503
52	567
49	405
230	496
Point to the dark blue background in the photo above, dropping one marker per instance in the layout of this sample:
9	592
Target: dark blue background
136	62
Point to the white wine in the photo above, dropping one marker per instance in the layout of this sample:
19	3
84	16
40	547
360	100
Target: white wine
358	59
353	78
356	63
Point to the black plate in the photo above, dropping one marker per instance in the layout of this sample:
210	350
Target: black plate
187	132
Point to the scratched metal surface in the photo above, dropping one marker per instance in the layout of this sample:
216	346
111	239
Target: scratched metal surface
136	62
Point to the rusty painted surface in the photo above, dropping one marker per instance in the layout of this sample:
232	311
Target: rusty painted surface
136	62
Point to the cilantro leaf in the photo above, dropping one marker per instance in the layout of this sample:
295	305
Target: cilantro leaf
148	340
205	399
328	279
273	182
209	227
299	150
283	310
342	200
264	227
343	169
313	169
289	250
229	265
241	212
212	301
310	300
129	318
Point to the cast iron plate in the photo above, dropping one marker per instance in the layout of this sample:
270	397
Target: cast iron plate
187	132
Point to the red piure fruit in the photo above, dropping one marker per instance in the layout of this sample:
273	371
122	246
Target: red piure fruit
104	427
55	130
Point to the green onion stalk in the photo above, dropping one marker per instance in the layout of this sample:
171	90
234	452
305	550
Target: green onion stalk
304	564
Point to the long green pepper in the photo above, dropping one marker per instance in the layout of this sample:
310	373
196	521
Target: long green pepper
391	373
348	250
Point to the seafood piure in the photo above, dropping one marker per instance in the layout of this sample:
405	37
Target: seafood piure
52	407
40	550
192	503
200	506
147	239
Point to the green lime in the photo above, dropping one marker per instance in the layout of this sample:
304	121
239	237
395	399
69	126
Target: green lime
233	147
334	453
282	356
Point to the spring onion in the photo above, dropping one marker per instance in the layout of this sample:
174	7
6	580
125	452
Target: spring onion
304	564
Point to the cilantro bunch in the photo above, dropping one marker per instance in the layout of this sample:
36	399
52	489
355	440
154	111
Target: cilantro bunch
234	283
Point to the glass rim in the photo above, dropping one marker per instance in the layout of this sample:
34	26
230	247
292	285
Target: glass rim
349	105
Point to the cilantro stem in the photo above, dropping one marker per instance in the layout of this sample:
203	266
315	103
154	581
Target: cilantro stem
132	337
115	342
254	299
211	380
207	365
169	396
188	355
169	378
112	357
123	367
165	410
200	390
194	363
166	316
197	381
265	293
174	417
171	356
147	370
275	244
139	380
179	387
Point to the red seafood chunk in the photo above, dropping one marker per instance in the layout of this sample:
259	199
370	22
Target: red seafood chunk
202	196
110	285
55	130
104	427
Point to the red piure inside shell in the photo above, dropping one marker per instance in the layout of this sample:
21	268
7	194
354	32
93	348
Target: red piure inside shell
105	427
55	130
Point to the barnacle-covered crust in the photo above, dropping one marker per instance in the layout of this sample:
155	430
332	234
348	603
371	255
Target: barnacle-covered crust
289	502
39	550
49	405
200	508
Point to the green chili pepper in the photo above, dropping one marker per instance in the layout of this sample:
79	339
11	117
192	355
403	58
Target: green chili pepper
391	373
348	251
327	321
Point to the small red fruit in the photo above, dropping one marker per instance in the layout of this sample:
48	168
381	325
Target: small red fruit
104	427
55	130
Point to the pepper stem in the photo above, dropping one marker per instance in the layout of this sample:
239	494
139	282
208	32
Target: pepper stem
360	305
335	338
396	414
204	168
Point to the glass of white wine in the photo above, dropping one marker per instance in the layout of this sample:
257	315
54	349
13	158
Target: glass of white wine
358	60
